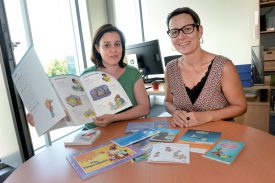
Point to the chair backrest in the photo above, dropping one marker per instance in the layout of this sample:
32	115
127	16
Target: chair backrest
169	58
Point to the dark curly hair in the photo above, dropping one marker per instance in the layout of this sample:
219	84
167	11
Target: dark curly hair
96	57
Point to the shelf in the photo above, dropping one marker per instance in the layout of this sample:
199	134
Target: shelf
258	103
269	70
267	4
257	87
267	32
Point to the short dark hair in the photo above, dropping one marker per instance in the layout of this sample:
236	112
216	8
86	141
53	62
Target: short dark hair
185	10
96	57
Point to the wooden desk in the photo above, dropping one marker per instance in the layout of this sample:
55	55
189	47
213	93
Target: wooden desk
255	164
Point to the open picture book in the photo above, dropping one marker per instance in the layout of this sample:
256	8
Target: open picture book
66	100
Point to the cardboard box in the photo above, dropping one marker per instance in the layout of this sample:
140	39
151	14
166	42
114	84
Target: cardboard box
269	65
269	54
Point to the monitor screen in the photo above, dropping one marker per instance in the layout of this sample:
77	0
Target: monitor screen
148	57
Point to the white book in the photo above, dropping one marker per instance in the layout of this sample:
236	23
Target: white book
67	100
170	153
84	137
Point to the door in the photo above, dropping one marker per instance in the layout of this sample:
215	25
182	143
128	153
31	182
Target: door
16	146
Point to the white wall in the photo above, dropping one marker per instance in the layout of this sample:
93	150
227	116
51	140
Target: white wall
97	12
229	26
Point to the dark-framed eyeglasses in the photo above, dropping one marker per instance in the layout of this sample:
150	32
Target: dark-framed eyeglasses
187	29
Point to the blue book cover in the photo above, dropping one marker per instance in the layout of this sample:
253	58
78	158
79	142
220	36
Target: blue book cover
135	137
225	151
137	126
200	140
165	135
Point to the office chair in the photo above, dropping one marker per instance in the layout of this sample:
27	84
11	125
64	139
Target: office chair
170	58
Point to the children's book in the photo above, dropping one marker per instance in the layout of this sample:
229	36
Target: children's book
84	137
200	140
66	100
135	137
165	135
101	158
136	126
225	151
170	153
145	145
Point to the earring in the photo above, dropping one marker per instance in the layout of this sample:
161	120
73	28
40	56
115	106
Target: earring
201	40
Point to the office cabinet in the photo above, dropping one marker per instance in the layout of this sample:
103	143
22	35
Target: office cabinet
259	107
267	31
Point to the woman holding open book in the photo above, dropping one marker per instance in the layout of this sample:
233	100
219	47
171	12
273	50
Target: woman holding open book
200	86
108	51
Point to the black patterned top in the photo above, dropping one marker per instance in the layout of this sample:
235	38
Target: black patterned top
210	98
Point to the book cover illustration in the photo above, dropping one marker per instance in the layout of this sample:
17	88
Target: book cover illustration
146	145
136	126
225	151
200	140
170	153
165	135
101	158
84	137
135	137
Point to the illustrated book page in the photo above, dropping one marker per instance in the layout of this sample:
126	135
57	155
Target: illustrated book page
101	158
200	140
136	126
37	93
165	135
74	99
84	137
135	137
105	93
225	151
170	153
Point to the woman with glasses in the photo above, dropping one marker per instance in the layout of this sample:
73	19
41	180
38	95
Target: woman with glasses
200	86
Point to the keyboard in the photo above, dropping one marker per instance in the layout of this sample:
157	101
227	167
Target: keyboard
150	80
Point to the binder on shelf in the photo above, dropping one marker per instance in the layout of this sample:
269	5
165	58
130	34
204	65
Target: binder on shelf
245	71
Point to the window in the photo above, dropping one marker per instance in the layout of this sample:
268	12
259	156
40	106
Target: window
59	32
128	20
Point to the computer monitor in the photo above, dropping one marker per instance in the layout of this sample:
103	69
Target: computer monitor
148	57
170	58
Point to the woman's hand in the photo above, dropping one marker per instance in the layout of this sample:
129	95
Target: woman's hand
30	119
104	120
179	118
188	119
